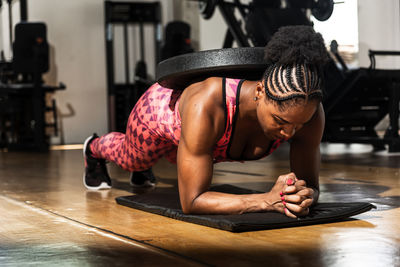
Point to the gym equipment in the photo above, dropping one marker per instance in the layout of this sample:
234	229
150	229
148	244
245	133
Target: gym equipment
357	100
322	10
123	96
207	8
23	122
269	20
354	101
180	71
166	203
261	18
177	40
31	50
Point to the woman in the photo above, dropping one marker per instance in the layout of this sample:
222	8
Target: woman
223	119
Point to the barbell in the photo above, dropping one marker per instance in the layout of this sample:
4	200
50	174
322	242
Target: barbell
320	9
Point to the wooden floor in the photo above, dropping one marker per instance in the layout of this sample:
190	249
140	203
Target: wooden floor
48	218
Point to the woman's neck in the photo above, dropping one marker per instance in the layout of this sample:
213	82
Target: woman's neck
248	107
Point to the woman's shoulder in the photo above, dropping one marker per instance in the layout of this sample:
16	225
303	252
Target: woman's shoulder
209	86
204	99
207	93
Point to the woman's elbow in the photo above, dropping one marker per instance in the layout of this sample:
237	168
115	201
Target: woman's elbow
187	208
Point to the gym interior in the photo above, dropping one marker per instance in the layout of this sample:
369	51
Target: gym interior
69	69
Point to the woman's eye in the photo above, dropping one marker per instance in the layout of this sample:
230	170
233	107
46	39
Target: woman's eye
279	121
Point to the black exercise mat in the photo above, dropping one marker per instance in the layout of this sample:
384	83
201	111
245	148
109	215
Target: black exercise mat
167	204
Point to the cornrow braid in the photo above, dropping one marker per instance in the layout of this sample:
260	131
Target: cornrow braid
295	83
289	77
275	80
312	78
306	77
298	75
286	82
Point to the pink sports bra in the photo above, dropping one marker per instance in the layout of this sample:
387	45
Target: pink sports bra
231	94
169	120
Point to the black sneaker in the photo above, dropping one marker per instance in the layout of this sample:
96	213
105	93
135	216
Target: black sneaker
143	179
96	176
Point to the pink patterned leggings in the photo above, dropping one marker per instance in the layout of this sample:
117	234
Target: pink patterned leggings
142	145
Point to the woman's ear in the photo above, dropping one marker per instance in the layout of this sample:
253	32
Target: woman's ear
260	91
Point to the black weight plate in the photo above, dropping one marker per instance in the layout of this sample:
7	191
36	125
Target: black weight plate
323	10
241	63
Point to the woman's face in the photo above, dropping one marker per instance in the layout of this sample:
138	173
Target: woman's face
283	124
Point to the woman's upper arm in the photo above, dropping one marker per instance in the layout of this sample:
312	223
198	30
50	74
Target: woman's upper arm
200	131
304	149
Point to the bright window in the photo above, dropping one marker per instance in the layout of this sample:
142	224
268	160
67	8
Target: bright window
342	26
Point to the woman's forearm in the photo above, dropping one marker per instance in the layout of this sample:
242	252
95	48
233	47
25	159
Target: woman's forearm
221	203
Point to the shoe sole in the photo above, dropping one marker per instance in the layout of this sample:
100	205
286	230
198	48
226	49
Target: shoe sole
145	184
103	185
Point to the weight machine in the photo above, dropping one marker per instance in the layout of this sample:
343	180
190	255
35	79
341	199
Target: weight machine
23	110
355	101
259	19
123	96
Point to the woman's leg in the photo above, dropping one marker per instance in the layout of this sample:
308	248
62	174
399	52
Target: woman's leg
135	151
113	147
96	175
141	146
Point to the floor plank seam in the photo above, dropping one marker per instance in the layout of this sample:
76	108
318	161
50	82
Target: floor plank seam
101	231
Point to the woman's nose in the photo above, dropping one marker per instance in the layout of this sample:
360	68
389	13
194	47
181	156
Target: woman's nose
288	131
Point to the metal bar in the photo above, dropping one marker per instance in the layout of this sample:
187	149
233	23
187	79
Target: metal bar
23	10
228	41
241	8
341	61
55	117
373	53
158	32
234	26
126	52
10	22
109	36
38	106
158	37
141	39
394	108
384	53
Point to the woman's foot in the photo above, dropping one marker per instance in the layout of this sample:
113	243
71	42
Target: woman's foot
96	175
144	178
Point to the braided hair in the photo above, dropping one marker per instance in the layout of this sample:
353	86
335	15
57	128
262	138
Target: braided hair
296	55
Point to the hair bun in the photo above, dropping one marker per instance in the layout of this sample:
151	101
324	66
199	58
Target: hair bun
296	44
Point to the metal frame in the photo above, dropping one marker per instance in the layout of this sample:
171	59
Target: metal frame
345	82
26	98
125	14
380	88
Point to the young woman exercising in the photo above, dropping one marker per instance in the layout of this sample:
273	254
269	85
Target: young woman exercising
223	119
